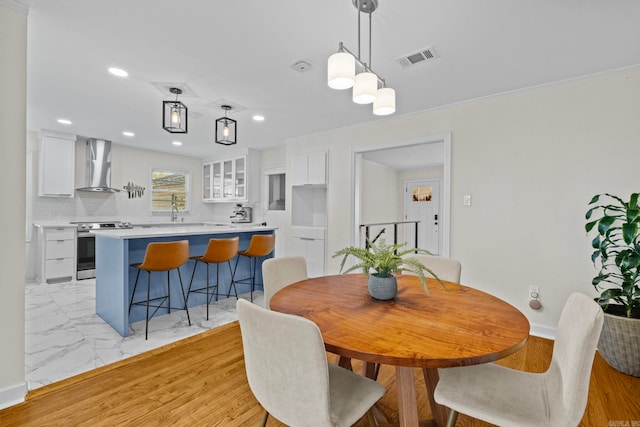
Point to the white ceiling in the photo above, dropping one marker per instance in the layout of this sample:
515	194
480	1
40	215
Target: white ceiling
241	52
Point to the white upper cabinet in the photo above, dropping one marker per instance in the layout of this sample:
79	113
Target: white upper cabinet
232	179
309	169
57	166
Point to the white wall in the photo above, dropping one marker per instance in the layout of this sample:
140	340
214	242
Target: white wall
531	161
379	192
13	72
273	157
378	199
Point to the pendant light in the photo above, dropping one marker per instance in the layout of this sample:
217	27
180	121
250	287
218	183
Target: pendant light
341	70
342	67
226	128
365	88
385	102
174	114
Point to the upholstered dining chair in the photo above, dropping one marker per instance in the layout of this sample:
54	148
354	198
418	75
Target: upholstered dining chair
507	397
288	373
280	272
447	269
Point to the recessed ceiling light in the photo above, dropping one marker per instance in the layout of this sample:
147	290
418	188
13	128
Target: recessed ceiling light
129	134
258	118
64	121
118	72
177	143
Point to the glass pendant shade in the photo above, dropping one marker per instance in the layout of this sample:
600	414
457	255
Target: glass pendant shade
341	70
226	131
365	88
174	116
385	102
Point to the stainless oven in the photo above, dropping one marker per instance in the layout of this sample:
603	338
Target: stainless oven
86	246
86	255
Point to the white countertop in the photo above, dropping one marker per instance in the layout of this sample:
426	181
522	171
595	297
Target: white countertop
53	224
180	230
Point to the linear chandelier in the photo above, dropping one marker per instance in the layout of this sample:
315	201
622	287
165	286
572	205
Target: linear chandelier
341	71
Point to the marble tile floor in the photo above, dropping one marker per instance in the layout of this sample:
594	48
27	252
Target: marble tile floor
64	337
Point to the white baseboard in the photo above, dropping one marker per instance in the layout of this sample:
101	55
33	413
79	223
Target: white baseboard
543	331
13	395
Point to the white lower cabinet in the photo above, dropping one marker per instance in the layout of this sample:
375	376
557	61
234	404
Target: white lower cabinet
57	254
309	242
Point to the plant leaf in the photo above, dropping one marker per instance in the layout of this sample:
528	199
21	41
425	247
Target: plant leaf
629	232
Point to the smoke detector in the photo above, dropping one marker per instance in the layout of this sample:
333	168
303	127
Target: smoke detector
417	57
301	66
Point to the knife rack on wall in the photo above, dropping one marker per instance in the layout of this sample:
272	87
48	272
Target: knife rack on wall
134	190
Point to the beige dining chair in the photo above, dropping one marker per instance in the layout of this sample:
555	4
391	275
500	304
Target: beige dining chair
507	397
288	373
447	269
280	272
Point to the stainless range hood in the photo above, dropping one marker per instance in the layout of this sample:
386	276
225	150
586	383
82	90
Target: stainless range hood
98	167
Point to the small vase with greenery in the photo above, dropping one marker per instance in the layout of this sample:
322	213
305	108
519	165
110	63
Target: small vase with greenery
617	256
385	259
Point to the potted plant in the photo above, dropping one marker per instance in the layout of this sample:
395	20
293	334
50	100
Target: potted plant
385	259
617	255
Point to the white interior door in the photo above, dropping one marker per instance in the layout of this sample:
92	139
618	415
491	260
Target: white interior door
274	205
422	203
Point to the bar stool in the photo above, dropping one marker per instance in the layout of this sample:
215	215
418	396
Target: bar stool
218	251
260	245
161	256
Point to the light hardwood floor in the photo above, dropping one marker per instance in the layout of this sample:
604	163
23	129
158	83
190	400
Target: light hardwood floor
200	381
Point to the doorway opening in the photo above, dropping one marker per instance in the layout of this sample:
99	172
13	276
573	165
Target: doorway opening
274	184
383	174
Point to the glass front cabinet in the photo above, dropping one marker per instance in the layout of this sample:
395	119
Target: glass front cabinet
231	179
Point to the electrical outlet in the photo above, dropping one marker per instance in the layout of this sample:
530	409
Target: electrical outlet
534	291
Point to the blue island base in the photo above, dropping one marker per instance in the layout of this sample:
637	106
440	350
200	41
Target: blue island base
115	278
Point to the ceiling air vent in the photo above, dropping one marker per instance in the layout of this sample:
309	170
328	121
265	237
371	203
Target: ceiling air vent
417	57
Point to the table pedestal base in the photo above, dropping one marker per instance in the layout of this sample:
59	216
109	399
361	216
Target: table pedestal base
407	400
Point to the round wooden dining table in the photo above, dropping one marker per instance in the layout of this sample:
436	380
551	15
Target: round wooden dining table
456	326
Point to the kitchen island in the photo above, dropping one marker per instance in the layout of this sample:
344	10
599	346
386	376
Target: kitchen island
116	250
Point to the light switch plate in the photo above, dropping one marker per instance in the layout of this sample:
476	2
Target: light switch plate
466	200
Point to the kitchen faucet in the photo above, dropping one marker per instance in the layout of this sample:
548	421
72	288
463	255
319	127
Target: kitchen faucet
174	209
